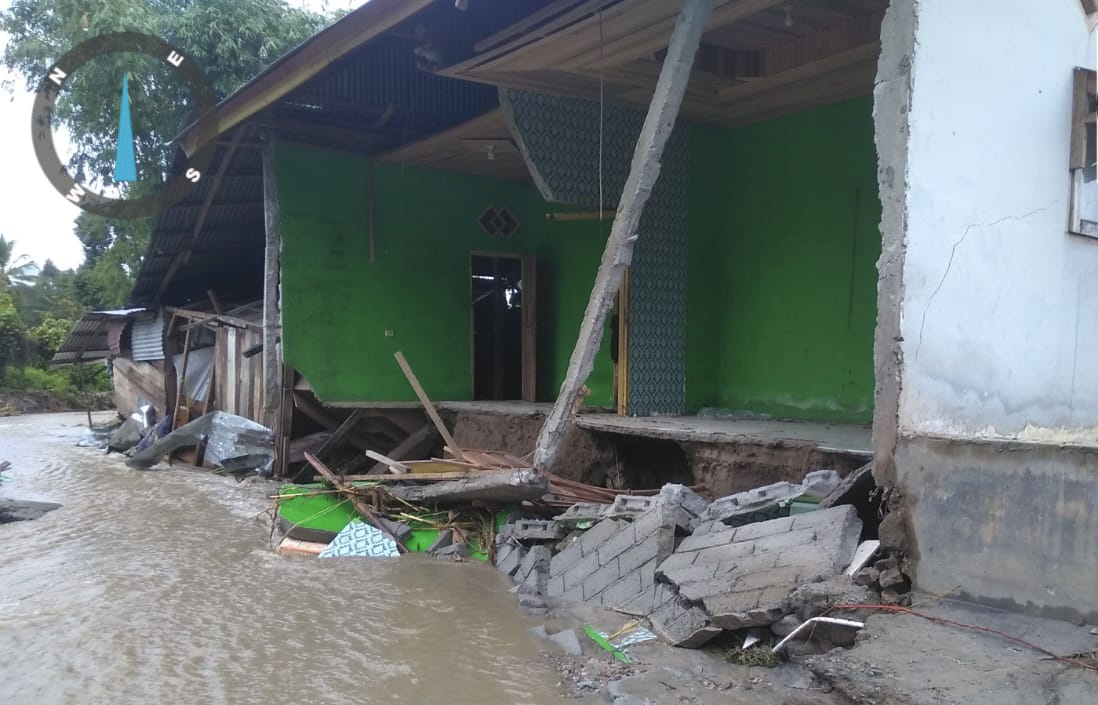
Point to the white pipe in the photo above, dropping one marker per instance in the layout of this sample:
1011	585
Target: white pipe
826	620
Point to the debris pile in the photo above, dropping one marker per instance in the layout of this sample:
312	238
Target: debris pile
768	559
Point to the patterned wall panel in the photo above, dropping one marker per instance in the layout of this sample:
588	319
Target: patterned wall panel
559	139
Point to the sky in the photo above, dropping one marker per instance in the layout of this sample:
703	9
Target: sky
32	213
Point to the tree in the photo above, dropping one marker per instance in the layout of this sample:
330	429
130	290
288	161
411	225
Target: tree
232	40
22	270
11	331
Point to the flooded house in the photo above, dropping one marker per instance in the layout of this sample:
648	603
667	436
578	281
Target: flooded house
871	238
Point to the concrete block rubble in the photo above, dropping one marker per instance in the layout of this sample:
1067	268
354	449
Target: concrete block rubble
696	569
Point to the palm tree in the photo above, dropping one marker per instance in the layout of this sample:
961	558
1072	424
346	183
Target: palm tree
22	271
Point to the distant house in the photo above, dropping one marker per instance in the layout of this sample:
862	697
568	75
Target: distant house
869	213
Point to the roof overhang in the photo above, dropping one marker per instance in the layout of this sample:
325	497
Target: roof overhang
304	62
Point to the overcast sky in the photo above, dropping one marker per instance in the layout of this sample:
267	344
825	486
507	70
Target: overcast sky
31	212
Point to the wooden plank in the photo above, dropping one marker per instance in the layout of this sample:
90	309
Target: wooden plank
529	327
643	173
317	413
367	512
650	37
622	390
415	440
1080	107
554	27
835	62
181	392
336	438
427	405
524	25
405	477
394	465
272	314
232	376
283	430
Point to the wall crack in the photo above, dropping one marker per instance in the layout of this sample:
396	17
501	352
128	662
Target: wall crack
953	254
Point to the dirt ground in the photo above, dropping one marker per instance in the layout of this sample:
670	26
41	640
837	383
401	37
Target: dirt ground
898	659
629	461
725	469
15	403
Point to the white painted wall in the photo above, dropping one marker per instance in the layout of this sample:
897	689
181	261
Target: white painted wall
1000	308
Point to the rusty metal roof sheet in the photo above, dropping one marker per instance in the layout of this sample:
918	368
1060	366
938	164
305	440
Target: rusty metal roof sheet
88	338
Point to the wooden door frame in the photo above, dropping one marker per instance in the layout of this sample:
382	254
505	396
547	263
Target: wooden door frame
621	374
528	275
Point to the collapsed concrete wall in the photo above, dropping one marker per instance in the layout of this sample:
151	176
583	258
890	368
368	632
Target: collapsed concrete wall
695	569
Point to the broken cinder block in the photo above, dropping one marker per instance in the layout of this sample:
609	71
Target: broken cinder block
759	504
581	513
509	558
537	530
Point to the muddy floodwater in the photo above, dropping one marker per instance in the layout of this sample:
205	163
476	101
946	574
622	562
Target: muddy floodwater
161	586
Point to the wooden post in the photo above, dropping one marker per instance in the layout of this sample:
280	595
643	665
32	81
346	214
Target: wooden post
181	393
272	315
428	406
645	169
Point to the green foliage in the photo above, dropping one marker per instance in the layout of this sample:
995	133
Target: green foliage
232	40
51	295
35	379
111	253
11	331
45	338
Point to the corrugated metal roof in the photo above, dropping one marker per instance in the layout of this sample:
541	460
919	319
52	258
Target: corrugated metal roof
88	338
148	339
357	86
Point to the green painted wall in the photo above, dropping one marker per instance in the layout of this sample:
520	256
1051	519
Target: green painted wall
794	305
337	305
704	253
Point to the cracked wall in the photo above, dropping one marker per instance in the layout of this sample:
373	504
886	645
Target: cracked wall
1000	305
988	309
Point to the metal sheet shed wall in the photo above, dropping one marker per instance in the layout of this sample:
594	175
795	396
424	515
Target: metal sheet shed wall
148	339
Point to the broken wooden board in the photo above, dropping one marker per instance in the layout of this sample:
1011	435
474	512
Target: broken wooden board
431	467
504	486
296	547
407	477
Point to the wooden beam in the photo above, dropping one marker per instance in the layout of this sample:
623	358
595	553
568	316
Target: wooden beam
428	406
643	173
336	438
653	37
272	314
394	465
215	302
836	62
367	512
305	61
560	217
317	413
415	440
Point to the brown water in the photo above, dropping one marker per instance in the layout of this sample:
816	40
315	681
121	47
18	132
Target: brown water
161	586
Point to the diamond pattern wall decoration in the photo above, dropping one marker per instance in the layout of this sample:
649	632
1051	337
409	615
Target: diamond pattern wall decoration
498	223
559	139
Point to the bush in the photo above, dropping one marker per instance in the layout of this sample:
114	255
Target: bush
26	379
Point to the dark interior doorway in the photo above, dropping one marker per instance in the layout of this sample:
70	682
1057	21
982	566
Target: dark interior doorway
497	306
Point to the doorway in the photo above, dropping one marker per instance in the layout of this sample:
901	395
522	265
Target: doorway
503	341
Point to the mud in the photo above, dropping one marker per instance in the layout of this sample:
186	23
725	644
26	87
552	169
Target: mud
15	403
583	455
725	469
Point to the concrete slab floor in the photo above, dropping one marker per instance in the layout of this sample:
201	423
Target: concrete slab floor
902	659
841	438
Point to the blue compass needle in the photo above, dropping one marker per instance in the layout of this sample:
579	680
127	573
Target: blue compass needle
125	163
